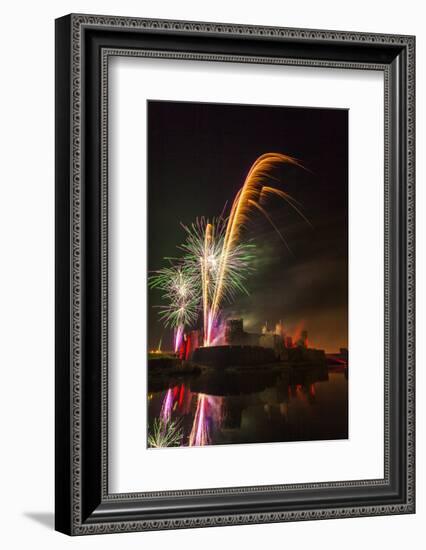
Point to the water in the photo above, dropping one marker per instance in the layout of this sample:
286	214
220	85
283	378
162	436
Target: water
262	405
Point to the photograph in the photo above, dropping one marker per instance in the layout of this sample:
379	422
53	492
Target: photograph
212	245
247	274
234	272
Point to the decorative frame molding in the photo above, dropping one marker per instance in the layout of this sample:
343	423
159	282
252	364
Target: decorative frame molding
84	43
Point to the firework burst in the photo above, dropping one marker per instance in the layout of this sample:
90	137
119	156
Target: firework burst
179	289
165	434
203	248
216	261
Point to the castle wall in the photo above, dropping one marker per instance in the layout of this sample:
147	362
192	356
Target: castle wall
227	356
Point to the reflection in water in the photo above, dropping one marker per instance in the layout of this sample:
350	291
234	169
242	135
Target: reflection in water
166	408
252	406
200	429
207	417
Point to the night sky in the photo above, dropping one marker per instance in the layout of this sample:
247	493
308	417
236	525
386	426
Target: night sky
198	157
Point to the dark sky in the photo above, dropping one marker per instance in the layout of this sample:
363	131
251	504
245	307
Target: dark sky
198	157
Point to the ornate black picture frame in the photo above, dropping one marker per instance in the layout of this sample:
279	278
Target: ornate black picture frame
84	44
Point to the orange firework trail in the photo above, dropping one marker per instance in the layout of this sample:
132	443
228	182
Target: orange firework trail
247	198
205	274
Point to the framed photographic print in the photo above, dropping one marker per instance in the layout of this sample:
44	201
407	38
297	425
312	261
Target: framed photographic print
217	280
234	274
